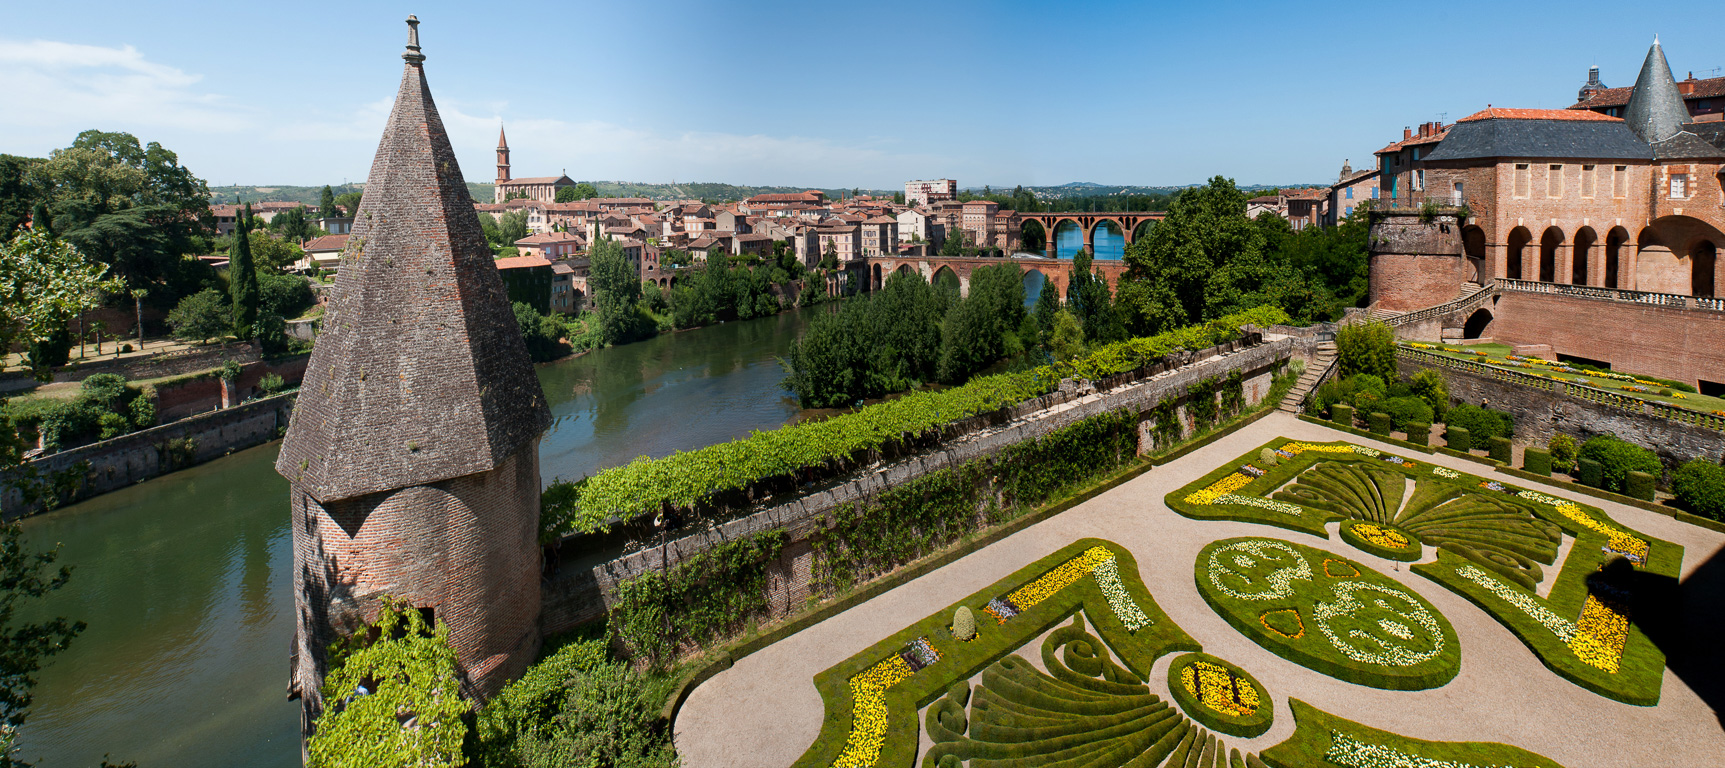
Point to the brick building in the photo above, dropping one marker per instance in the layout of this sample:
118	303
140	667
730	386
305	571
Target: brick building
925	192
540	188
412	456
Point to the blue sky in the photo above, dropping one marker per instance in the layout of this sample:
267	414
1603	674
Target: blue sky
815	94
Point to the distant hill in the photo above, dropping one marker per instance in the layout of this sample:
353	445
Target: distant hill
307	195
483	192
1092	189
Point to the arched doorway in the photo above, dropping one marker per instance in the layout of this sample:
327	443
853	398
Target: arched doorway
1584	240
1107	241
1548	245
1614	241
1068	239
1703	259
1032	237
1477	324
1034	283
1473	245
1518	240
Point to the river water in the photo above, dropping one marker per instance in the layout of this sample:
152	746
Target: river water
186	581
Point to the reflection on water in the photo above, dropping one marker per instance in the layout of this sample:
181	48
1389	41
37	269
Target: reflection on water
186	581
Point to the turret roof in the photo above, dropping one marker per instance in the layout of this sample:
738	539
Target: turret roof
420	374
1656	111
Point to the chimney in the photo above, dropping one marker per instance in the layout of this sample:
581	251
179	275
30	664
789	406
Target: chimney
1687	87
1407	133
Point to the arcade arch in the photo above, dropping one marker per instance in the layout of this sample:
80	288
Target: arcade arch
1518	240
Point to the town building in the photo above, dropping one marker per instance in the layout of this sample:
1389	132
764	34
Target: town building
925	192
528	280
322	254
1352	191
551	245
540	188
1700	97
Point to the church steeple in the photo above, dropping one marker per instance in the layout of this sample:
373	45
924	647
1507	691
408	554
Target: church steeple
502	158
1656	111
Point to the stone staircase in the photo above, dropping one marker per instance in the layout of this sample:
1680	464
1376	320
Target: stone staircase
1296	397
1381	315
1468	290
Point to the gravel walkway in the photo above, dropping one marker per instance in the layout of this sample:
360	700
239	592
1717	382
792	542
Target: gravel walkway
765	711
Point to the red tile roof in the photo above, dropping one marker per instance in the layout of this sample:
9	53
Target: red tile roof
1501	113
1712	87
523	262
325	244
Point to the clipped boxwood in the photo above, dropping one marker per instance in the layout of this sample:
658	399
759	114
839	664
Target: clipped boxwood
1536	460
1638	485
1290	598
1617	458
1343	414
1459	439
1419	433
1319	736
1498	449
1380	423
1227	699
1385	541
1700	488
1590	473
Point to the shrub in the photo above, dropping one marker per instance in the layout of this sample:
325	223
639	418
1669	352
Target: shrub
1536	460
1268	457
1498	449
1419	433
104	389
1430	386
1337	390
271	383
201	316
1342	414
1366	382
1406	410
1379	423
1367	348
963	623
1459	439
576	707
231	370
1638	485
113	425
1700	487
124	348
1482	423
143	409
1590	473
1563	450
1617	458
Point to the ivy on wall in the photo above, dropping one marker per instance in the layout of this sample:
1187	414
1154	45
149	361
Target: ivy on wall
699	600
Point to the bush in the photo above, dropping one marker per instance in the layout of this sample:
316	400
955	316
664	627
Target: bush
1404	411
963	623
1563	449
1590	473
1367	348
1498	448
1419	433
1269	458
143	409
1536	460
1459	439
285	295
201	316
1638	485
409	667
1336	390
1700	488
576	707
112	425
1430	386
1617	458
1379	423
271	383
1482	423
1342	414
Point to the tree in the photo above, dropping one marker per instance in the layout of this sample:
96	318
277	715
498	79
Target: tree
410	668
285	295
271	255
1368	348
326	204
294	224
202	315
18	193
954	243
585	191
1066	341
243	282
898	197
24	646
1047	304
44	284
1087	297
566	195
616	292
511	228
349	202
1203	261
138	295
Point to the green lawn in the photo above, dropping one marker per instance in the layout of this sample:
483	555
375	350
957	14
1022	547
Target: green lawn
1496	354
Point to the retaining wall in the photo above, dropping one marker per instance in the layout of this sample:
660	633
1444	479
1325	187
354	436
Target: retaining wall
141	367
139	456
579	592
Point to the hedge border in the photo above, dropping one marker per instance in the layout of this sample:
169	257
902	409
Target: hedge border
1434	673
1411	553
994	641
1312	740
1244	727
1403	444
1313	522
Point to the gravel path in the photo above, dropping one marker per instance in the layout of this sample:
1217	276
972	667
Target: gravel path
765	711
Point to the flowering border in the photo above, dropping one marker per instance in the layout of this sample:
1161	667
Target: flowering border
1321	738
1220	695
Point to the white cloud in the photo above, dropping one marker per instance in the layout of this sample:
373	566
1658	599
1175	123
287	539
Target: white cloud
58	86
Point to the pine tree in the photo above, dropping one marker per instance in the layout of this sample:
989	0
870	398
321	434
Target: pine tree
243	279
326	204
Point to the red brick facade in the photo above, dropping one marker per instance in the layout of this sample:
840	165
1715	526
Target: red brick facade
1678	344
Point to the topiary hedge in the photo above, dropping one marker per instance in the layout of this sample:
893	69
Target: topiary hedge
1700	488
1328	613
1638	485
1419	433
1379	423
1458	439
1220	695
1590	473
1404	411
1499	449
1482	423
1536	460
1617	458
1343	414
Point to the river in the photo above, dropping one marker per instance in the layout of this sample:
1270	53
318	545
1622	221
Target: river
186	581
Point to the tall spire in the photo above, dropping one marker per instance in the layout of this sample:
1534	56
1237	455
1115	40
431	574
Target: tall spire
502	140
420	374
1656	111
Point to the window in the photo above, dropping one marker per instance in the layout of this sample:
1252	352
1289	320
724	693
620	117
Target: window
1348	193
1416	153
1679	186
1620	181
1455	195
1587	180
1350	211
1419	180
1554	181
1374	193
1523	180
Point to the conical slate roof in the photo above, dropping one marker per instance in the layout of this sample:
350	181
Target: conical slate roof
1656	111
420	373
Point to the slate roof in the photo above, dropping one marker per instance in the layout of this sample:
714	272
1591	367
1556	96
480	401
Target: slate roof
1656	111
420	374
1543	138
1687	146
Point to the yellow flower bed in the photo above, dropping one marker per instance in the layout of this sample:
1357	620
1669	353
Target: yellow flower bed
1618	540
868	712
1061	577
1219	489
1214	687
1600	634
1381	536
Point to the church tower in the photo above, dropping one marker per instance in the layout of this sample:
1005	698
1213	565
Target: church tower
412	455
502	165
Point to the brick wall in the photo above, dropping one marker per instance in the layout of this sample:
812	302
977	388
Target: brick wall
1414	264
1679	344
203	394
577	594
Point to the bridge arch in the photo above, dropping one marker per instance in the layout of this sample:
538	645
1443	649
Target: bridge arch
1035	282
875	279
1032	236
1142	229
1107	239
1068	238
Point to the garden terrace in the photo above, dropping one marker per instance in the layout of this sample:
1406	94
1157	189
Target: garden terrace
1640	394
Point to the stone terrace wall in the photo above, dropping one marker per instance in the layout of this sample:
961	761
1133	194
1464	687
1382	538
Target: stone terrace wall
1541	413
1679	344
152	367
139	456
578	594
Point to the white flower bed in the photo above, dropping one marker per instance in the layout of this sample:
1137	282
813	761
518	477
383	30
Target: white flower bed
1246	555
1269	504
1125	608
1530	605
1349	601
1446	472
1350	752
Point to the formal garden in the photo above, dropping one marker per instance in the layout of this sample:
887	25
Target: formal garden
1645	387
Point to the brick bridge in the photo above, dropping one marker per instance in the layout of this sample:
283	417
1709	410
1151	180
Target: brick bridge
1127	222
1055	271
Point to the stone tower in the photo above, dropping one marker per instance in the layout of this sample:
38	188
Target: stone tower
413	451
502	164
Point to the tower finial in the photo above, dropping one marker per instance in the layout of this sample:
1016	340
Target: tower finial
413	55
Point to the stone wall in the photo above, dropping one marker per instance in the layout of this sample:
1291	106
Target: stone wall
578	592
139	456
1539	414
202	394
143	367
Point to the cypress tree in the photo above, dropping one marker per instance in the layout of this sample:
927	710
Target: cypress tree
326	204
243	278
